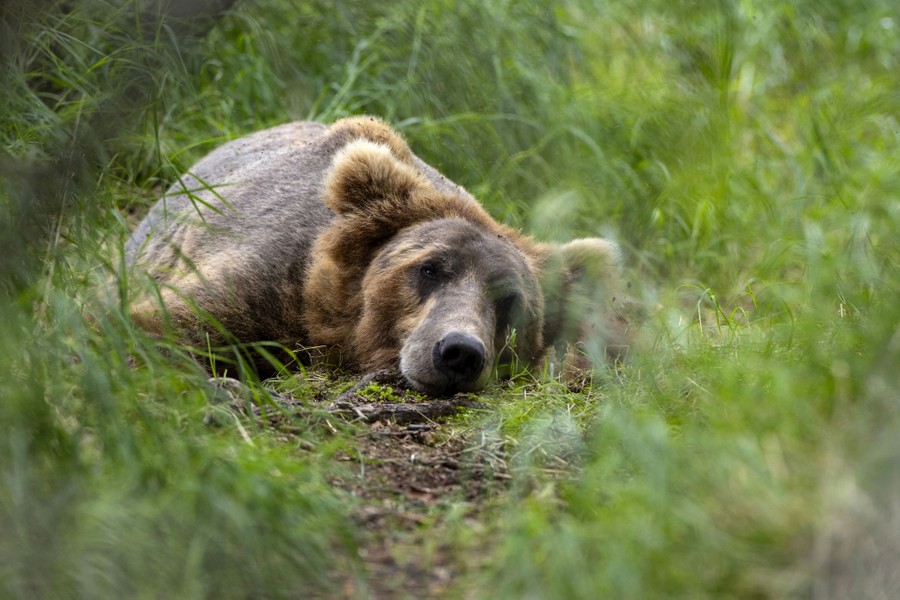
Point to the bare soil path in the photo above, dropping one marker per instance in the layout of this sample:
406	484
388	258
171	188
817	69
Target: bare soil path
412	478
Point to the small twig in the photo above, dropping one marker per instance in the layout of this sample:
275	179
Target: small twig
384	376
349	404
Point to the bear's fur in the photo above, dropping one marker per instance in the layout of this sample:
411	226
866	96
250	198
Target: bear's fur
340	237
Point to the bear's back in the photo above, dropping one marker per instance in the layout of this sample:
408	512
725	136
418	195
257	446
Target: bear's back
254	186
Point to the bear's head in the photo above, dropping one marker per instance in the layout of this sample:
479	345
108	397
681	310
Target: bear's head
413	278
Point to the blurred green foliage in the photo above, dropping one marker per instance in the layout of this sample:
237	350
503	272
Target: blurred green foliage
744	153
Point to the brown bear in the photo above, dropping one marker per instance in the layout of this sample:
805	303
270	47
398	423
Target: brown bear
339	237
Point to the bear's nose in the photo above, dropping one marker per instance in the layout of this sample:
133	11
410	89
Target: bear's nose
459	355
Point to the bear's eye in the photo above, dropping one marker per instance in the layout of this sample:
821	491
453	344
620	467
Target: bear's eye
507	306
429	271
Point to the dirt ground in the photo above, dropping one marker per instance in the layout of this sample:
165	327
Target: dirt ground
408	478
412	477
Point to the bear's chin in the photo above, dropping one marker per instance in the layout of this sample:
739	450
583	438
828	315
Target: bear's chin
447	387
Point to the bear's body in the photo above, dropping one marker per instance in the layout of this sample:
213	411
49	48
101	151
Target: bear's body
339	237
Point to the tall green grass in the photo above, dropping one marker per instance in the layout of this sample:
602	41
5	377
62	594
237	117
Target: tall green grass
113	483
744	155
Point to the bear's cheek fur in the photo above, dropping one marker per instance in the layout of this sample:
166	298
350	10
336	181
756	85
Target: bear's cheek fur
390	311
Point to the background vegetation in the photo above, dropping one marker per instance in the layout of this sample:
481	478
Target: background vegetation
745	154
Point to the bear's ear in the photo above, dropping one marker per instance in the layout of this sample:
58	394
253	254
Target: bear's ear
365	174
591	259
587	266
375	130
583	298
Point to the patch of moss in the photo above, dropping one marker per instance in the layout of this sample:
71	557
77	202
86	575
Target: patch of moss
377	392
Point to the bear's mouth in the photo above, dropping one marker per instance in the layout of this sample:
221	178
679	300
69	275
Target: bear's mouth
445	389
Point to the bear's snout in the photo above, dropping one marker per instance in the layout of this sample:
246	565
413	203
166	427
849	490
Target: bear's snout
459	356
